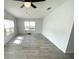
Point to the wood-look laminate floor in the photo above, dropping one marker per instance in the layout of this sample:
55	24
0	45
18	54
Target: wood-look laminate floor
33	47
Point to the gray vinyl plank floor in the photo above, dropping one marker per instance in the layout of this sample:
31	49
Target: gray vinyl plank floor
33	47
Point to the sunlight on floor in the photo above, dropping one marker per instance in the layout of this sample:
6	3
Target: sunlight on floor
17	42
19	37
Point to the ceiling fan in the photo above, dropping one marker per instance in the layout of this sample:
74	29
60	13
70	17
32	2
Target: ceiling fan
29	3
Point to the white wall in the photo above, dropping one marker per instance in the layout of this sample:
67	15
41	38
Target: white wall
20	23
9	17
57	25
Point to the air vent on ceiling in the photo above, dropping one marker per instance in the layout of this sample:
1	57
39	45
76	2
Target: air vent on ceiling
48	8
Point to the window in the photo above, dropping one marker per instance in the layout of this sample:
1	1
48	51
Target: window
9	26
29	25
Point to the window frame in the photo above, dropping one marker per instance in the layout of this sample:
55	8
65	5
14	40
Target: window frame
29	27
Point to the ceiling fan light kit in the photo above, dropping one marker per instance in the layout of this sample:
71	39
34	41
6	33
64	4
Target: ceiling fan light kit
27	4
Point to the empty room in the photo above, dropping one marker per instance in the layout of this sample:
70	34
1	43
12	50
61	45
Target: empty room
38	29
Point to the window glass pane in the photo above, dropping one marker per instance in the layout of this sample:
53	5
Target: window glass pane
7	31
11	24
6	24
32	23
26	24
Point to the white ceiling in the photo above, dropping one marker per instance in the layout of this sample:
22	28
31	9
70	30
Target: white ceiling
41	11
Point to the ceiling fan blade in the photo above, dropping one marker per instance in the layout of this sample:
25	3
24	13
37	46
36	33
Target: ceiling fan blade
33	6
19	0
22	6
30	0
